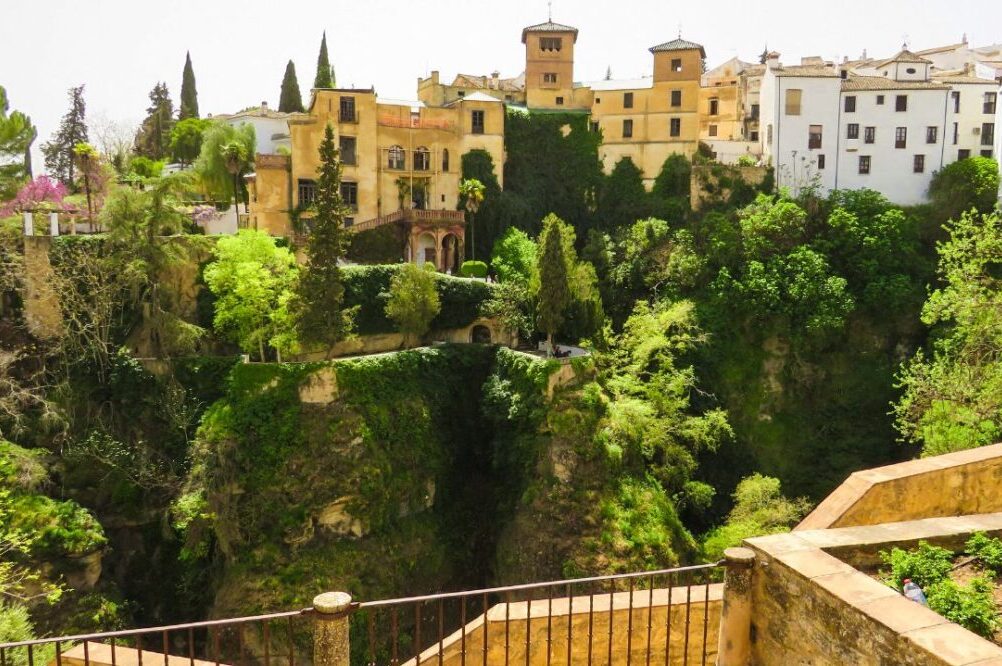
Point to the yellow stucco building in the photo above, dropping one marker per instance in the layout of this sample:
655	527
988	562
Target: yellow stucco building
401	164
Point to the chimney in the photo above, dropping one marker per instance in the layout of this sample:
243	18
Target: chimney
772	60
264	108
495	79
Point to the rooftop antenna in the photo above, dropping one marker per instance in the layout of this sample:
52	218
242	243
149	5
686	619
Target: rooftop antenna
680	30
549	11
904	45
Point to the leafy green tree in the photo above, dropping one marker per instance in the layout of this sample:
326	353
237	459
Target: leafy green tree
471	193
554	290
189	94
250	277
325	73
498	211
16	136
669	198
759	509
85	155
623	200
772	225
514	256
153	138
236	160
413	301
186	139
72	130
318	304
212	166
963	185
290	101
952	396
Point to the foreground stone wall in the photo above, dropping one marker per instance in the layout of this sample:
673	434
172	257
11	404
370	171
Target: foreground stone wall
955	484
677	630
41	304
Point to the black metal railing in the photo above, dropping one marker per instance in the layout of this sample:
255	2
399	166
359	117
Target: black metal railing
668	616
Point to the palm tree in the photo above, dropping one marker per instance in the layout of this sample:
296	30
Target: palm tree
235	157
473	191
85	155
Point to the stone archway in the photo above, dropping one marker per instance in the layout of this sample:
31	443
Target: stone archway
481	335
426	250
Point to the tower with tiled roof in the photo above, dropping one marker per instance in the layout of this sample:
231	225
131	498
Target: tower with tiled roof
549	65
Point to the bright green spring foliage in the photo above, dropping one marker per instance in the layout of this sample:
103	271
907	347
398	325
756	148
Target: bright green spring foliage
987	549
965	184
514	256
16	136
413	301
252	279
759	509
953	394
318	301
211	165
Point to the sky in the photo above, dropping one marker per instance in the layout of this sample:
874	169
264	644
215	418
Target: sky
121	48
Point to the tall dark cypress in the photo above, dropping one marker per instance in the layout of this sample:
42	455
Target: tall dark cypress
189	94
291	100
323	78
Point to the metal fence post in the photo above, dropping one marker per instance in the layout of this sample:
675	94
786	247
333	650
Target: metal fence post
734	646
330	630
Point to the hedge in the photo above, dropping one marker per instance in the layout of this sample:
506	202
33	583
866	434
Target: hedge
477	269
368	288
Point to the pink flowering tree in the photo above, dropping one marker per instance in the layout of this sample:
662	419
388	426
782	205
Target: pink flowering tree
43	192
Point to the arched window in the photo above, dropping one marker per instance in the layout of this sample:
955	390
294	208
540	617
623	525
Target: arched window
422	159
445	159
396	157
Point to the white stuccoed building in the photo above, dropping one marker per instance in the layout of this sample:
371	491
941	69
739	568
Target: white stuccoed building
271	127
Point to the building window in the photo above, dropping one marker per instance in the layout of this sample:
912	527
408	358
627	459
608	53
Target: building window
963	154
869	135
396	157
713	130
754	111
676	65
814	137
347	148
349	195
445	159
346	110
956	133
628	100
880	100
307	192
676	98
990	100
901	137
422	159
852	131
754	135
918	165
478	121
560	101
598	100
714	107
550	77
986	153
864	164
461	93
627	128
593	125
850	104
931	134
821	161
955	96
675	127
987	134
550	43
901	103
793	101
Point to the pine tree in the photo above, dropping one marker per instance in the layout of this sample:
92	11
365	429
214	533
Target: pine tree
554	283
291	101
153	138
189	94
325	74
320	319
16	136
72	130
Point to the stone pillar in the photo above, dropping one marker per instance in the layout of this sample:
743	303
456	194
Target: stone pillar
53	224
330	629
29	224
734	646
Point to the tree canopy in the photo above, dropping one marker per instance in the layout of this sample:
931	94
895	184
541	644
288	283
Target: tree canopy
325	73
154	137
413	301
211	165
17	134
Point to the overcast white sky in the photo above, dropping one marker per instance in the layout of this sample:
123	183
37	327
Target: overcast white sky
121	48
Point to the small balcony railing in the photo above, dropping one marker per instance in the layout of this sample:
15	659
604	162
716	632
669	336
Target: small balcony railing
346	116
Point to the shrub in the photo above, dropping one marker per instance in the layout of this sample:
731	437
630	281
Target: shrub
987	550
925	565
972	606
382	245
747	161
477	269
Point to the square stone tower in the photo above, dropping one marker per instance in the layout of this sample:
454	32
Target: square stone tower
549	65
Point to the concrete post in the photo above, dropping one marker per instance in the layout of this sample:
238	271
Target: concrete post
734	646
53	224
29	224
330	630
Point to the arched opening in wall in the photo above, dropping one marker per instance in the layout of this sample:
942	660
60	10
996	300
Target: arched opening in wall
450	254
480	335
426	250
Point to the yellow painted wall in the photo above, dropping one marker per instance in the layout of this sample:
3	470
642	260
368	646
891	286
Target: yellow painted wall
538	93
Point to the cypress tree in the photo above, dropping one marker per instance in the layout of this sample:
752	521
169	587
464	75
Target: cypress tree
554	283
320	319
72	130
291	100
189	95
324	77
